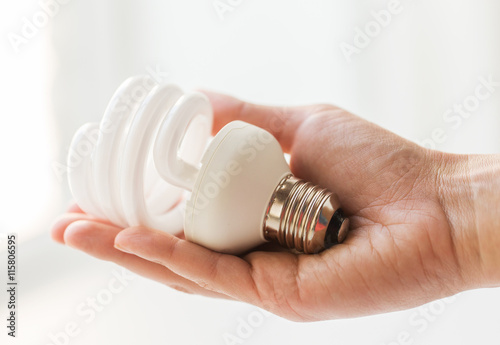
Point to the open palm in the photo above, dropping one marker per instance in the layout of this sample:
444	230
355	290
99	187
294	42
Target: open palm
401	250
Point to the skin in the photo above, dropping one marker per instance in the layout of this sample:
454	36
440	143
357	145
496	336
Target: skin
424	224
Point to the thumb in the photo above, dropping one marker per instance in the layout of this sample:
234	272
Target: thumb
281	122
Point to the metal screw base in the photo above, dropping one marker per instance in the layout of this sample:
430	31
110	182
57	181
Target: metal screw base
304	217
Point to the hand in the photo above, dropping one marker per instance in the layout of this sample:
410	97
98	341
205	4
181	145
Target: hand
411	241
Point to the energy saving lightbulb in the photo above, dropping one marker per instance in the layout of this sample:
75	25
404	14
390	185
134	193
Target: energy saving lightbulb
151	147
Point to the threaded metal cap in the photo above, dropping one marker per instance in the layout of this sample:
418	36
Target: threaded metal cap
304	217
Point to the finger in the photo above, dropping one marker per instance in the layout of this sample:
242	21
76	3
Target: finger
97	239
282	122
226	274
61	223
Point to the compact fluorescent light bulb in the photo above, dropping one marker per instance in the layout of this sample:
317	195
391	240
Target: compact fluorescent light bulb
150	147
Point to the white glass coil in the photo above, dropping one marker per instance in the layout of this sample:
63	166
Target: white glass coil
134	166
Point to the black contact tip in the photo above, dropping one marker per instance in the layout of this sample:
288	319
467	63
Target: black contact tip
337	229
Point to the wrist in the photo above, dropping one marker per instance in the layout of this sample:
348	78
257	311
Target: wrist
469	192
484	177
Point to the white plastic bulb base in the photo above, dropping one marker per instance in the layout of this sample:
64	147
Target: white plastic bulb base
239	172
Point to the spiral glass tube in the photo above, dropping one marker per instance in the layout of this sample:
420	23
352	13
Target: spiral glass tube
117	168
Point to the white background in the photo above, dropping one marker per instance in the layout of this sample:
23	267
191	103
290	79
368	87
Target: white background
427	59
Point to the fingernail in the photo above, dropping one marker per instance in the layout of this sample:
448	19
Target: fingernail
120	248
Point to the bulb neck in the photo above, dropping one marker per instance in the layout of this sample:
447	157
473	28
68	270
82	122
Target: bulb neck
304	217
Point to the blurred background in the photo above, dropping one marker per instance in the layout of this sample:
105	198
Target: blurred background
62	60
